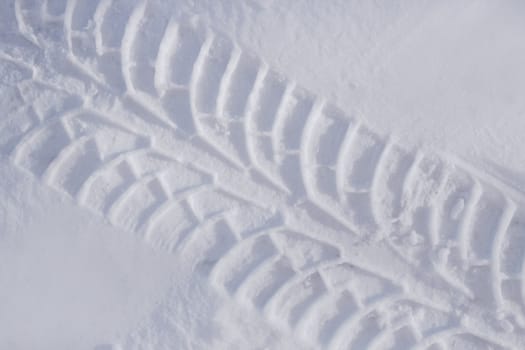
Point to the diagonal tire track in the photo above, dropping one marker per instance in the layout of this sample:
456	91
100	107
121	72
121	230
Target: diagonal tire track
350	194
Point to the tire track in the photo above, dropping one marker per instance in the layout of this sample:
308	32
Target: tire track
271	138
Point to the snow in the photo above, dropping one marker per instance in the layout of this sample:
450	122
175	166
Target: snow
447	75
180	174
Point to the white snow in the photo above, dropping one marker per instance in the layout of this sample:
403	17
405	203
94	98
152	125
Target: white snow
227	174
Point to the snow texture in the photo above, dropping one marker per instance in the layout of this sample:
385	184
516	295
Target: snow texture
261	175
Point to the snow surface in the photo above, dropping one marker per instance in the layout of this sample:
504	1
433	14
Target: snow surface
227	174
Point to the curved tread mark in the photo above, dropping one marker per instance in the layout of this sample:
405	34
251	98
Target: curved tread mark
497	246
345	149
109	163
23	26
468	219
